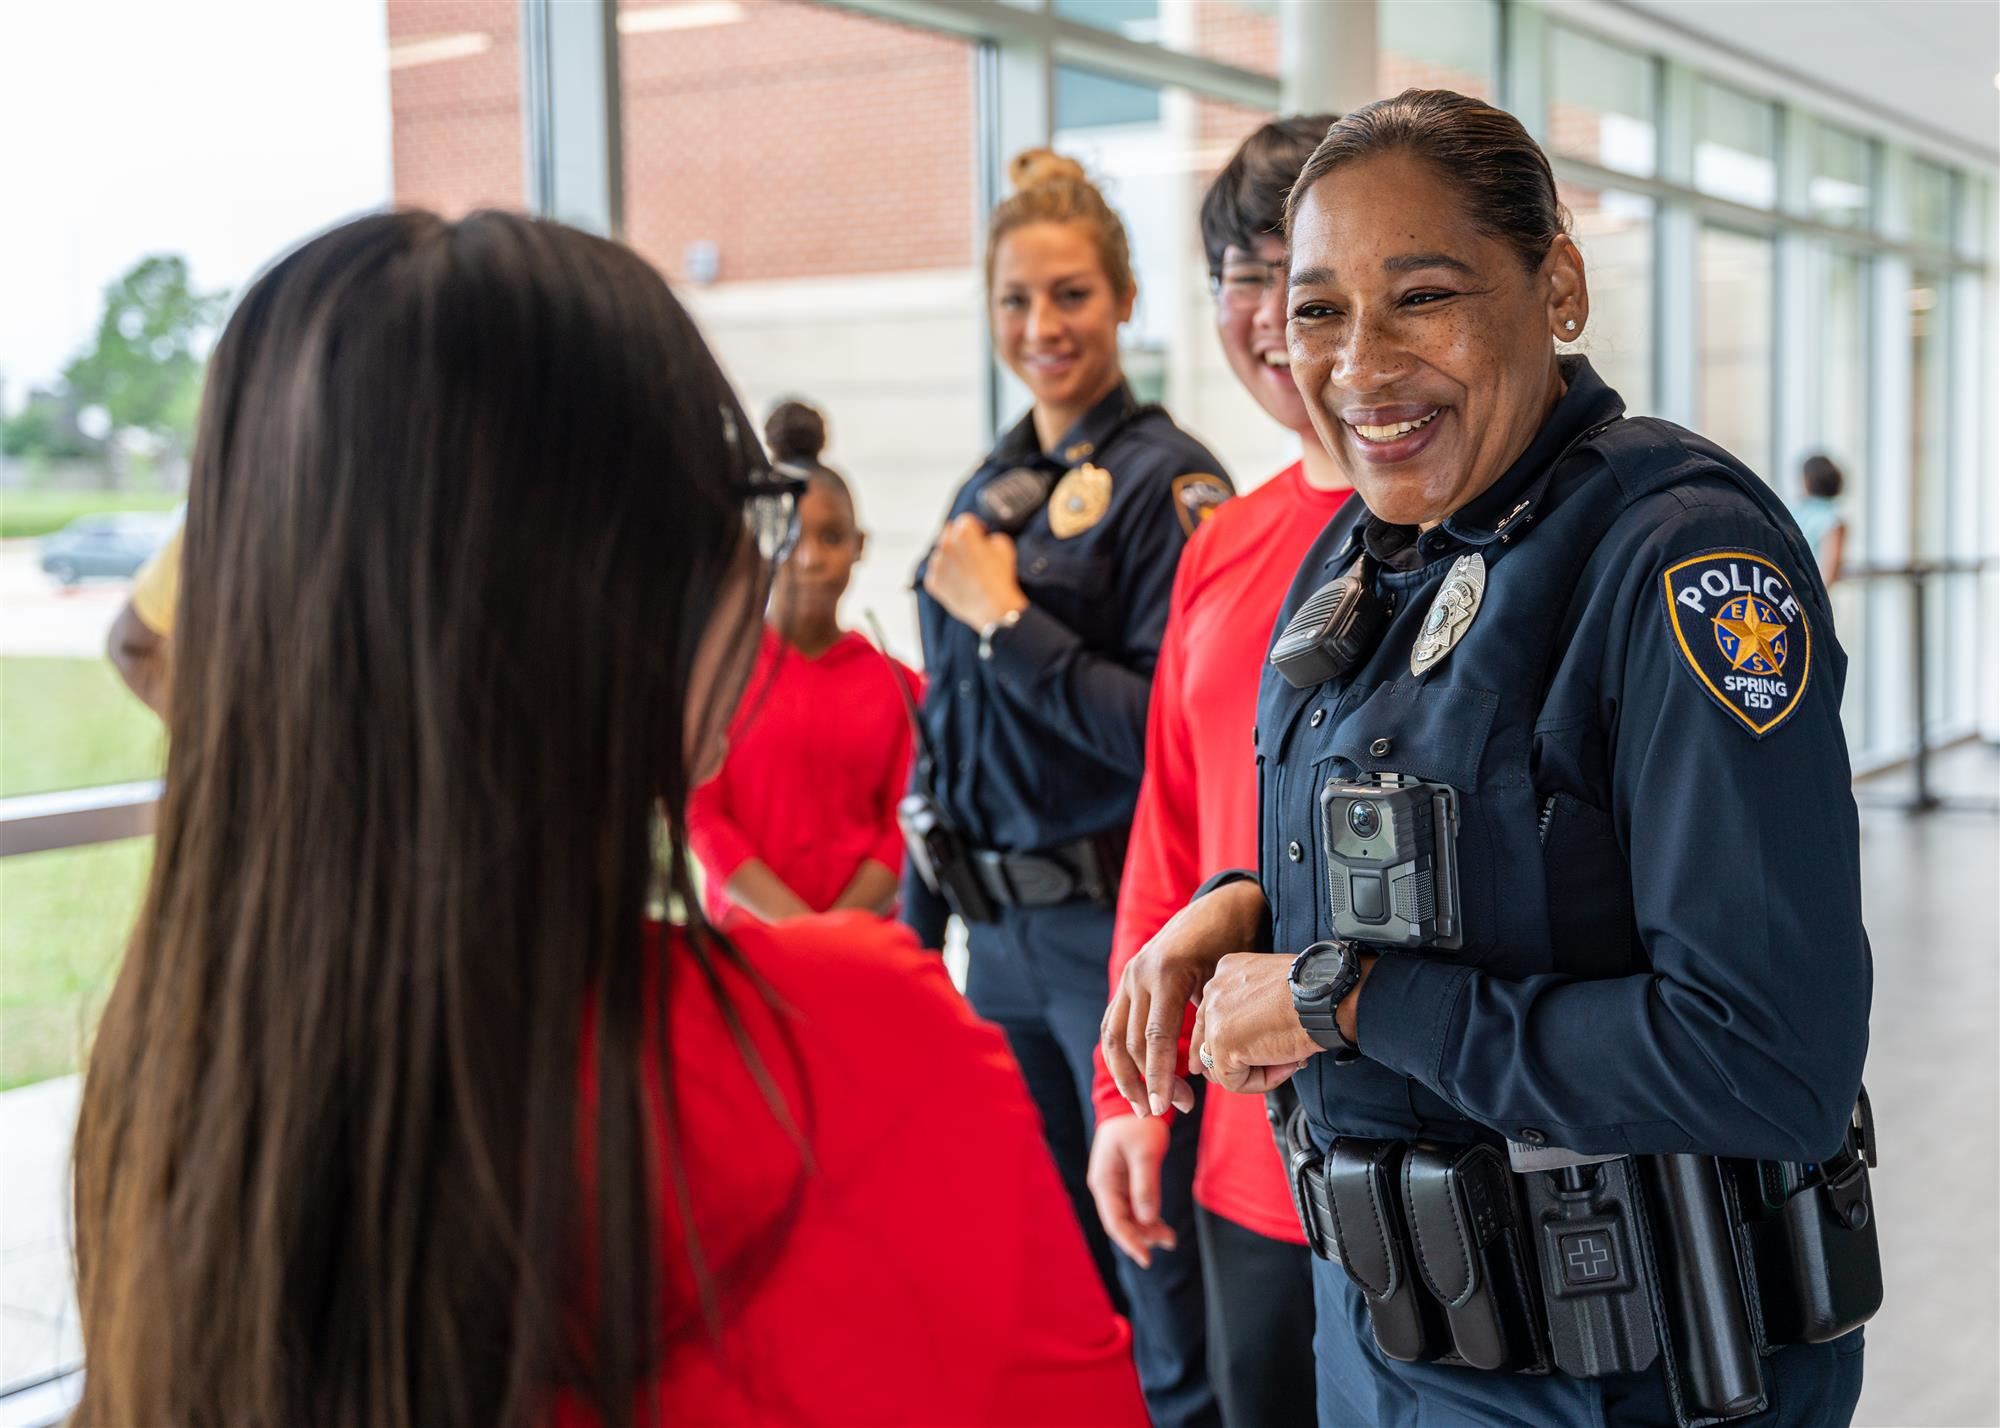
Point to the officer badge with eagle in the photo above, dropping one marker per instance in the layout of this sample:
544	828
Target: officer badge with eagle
1742	633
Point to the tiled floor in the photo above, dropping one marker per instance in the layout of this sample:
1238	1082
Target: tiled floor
1933	910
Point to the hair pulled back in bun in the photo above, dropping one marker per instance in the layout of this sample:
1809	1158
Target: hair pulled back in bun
795	432
1031	168
1053	188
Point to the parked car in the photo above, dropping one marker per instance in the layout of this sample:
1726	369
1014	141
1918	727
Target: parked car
104	547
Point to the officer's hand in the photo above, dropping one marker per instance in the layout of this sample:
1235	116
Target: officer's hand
972	573
1249	1026
1124	1179
1141	1032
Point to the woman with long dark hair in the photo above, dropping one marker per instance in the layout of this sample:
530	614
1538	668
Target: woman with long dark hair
404	1110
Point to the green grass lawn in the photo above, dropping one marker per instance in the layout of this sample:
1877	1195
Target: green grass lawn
33	513
64	916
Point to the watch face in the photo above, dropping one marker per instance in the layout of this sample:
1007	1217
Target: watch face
1322	969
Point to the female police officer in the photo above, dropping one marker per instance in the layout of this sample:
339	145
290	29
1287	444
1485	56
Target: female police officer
1042	608
1598	650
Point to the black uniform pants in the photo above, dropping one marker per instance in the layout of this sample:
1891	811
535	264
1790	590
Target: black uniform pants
1260	1324
1040	975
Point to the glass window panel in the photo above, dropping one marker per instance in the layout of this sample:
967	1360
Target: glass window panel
1735	145
1975	216
1842	435
1602	100
1841	187
1438	44
1154	173
1930	496
1930	204
1615	231
1734	344
1243	33
804	176
455	102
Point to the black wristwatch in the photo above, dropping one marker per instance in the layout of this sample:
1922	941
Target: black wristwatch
1321	976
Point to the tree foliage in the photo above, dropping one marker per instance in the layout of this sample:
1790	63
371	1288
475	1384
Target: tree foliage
144	367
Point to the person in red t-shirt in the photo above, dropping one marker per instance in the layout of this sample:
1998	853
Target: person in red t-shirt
1197	814
802	817
403	1109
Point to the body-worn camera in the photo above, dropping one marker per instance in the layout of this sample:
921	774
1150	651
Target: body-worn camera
1391	861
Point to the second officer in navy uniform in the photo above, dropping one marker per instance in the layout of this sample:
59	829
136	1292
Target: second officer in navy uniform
1588	660
1042	608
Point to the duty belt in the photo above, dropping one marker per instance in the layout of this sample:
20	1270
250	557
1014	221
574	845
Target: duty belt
1605	1265
1082	868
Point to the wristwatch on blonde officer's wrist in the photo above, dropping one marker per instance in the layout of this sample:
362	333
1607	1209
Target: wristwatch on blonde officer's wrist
994	627
1321	977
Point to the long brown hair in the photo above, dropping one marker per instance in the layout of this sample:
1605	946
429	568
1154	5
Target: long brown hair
463	497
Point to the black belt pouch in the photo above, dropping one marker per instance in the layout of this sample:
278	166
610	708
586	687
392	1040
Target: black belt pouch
1812	1238
1368	1232
1472	1254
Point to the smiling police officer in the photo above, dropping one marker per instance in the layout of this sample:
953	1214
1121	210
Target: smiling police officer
1042	606
1559	837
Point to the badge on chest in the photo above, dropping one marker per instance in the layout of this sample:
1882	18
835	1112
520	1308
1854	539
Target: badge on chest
1451	613
1079	501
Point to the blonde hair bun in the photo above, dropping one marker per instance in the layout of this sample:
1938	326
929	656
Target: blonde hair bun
1032	168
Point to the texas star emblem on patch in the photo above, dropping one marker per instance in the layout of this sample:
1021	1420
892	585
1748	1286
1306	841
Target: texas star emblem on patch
1079	501
1742	633
1196	495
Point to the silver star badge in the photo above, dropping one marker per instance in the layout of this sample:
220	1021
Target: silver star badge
1451	613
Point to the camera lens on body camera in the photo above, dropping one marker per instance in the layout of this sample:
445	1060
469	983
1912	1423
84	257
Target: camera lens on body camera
1365	819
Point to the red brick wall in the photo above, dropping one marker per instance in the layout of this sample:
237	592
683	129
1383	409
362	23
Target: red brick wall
802	142
456	123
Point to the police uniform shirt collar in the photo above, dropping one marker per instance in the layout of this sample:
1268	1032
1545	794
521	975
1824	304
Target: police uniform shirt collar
1081	442
1508	505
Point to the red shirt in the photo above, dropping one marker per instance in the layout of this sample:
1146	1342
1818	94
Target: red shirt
819	756
921	1278
1197	810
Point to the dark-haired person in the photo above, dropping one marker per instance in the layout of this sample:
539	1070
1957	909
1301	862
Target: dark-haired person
1042	606
1819	515
1198	813
402	1111
1594	650
802	815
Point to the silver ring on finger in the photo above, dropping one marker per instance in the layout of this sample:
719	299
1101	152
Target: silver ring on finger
1207	1060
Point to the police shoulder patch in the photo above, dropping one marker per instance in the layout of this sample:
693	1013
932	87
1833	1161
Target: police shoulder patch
1196	495
1742	634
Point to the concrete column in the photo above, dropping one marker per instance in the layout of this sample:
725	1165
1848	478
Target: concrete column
1326	55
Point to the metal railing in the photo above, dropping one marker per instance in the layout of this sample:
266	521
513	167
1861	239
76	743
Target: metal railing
1918	575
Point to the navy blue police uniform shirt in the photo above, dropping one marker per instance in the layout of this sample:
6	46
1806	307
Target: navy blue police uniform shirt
1044	742
1659	850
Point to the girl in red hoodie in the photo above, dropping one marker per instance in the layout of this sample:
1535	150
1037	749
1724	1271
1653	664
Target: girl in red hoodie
802	817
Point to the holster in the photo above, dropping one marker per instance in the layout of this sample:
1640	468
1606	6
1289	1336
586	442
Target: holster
942	858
